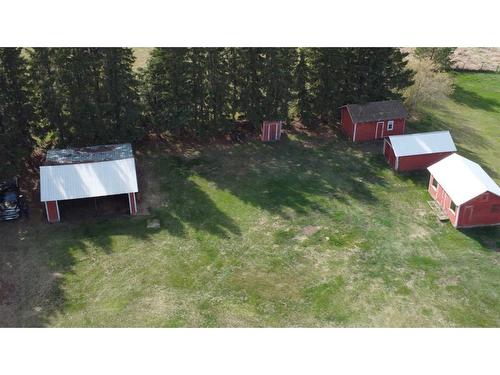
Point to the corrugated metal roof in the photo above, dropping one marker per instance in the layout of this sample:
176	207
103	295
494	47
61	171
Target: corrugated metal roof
376	111
422	143
462	179
90	154
87	180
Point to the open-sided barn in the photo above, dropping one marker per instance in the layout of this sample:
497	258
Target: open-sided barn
375	120
417	151
465	192
88	172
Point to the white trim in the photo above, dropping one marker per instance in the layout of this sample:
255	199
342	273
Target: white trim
47	212
276	132
397	163
354	136
432	183
130	204
58	214
390	122
457	214
376	128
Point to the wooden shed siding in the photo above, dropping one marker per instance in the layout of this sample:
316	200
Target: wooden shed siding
52	210
346	123
416	162
479	211
476	212
367	131
440	195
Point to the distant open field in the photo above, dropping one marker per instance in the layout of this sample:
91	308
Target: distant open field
312	231
477	58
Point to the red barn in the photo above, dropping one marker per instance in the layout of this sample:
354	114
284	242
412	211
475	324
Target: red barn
375	120
417	151
465	192
88	172
271	131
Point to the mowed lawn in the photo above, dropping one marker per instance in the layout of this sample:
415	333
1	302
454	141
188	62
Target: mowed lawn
312	231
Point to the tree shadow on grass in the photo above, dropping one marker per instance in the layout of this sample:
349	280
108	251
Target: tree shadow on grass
40	256
473	100
185	204
293	174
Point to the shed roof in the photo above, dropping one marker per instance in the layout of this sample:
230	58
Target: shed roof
87	180
90	154
376	111
462	179
422	143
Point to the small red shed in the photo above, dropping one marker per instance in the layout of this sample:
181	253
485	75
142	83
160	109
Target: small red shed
465	192
375	120
417	151
88	172
271	131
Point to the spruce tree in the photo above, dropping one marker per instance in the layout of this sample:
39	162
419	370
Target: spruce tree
16	112
302	89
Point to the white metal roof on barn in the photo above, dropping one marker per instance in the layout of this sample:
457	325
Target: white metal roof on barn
422	143
87	180
462	179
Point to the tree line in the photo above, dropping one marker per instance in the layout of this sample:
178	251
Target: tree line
70	97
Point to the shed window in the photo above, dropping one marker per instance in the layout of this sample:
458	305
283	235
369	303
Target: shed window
390	125
495	208
453	206
434	183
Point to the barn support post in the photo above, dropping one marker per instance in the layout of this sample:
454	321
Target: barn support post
132	203
52	211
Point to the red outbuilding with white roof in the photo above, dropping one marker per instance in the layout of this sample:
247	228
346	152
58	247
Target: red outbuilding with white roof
465	192
88	172
417	151
374	120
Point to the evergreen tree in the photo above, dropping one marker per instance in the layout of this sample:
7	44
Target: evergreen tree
218	89
16	112
278	82
121	110
85	96
302	89
166	90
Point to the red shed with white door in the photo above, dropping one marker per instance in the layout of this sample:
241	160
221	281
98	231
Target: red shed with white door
417	151
271	131
375	120
465	192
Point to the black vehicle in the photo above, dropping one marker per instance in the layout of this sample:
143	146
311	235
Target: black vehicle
12	204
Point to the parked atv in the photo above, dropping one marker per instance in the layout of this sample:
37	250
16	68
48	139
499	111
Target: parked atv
12	203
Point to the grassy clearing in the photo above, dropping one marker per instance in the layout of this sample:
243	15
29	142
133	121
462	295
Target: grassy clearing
308	232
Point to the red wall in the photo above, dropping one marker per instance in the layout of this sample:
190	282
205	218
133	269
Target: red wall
475	212
389	154
132	203
478	211
346	123
416	162
366	131
271	131
443	199
52	211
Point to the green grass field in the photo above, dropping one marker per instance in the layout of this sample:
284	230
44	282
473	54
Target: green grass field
313	231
